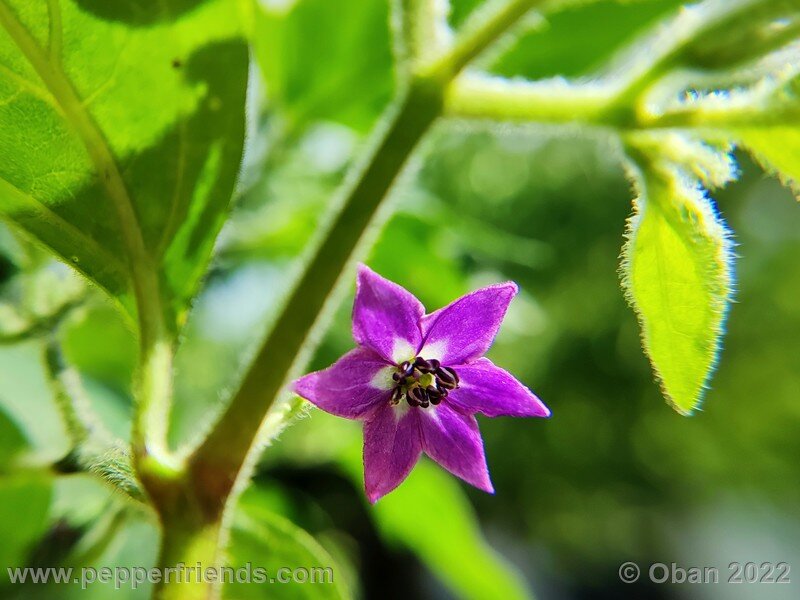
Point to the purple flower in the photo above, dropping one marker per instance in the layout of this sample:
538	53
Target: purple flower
416	381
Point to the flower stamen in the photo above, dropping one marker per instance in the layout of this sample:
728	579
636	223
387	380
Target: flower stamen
423	382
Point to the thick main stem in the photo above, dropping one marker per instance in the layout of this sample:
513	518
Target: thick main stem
190	549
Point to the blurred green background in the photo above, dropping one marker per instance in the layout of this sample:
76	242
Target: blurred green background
615	475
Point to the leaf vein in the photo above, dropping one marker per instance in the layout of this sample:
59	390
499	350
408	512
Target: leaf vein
50	216
144	276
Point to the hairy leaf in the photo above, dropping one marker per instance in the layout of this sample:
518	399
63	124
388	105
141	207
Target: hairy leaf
778	151
677	275
121	127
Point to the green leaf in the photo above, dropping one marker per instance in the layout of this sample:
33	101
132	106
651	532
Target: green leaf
98	342
341	71
12	441
26	397
570	43
677	275
121	131
751	35
24	504
777	149
121	537
449	542
262	539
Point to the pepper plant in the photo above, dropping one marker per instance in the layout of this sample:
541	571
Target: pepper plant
127	128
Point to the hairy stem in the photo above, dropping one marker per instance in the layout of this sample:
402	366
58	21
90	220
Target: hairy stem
485	97
40	326
92	448
69	395
425	29
720	117
560	102
482	29
189	544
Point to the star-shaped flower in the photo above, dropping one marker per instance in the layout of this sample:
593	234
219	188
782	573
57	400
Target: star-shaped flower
416	380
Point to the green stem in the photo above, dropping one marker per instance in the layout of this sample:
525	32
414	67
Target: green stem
425	29
92	448
218	463
153	396
482	29
486	97
185	544
720	116
69	395
42	325
495	98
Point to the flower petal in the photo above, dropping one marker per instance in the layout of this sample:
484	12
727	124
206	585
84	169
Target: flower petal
487	389
464	330
351	387
392	447
386	317
453	440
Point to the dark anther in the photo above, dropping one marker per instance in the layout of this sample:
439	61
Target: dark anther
446	378
422	365
434	395
397	394
453	373
177	63
409	378
420	395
